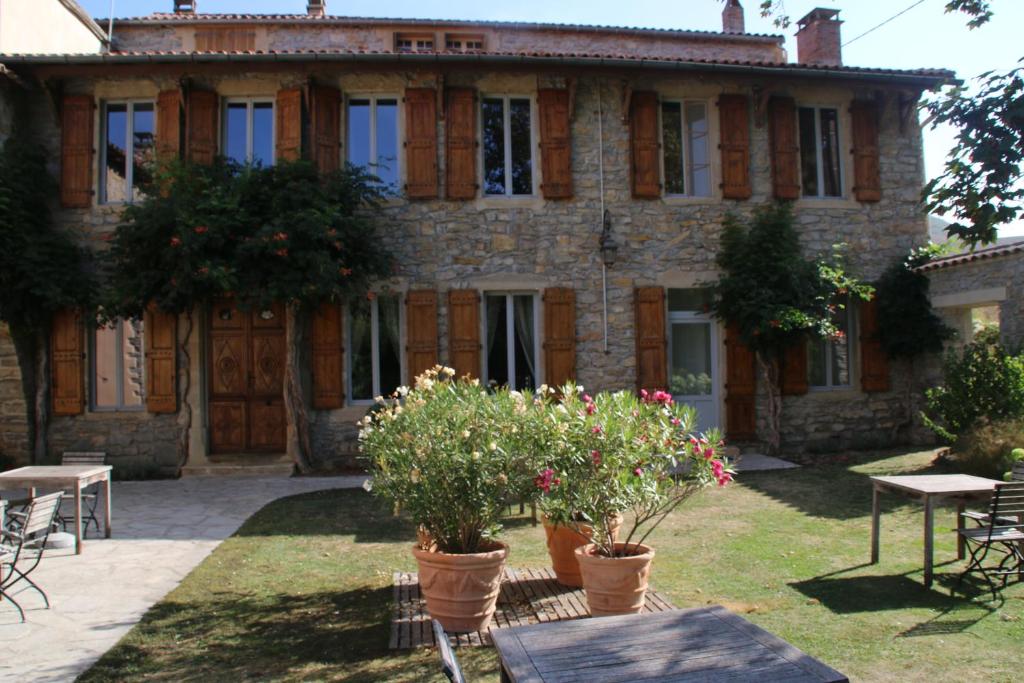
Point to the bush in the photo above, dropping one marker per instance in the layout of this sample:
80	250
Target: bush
990	449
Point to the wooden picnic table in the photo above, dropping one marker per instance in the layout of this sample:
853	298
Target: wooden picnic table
704	644
930	489
71	478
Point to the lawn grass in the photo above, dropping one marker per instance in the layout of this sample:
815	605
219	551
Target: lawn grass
303	590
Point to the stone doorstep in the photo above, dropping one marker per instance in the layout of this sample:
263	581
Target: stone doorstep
242	465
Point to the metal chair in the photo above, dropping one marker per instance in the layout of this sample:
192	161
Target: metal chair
1017	474
90	494
449	664
1003	533
26	542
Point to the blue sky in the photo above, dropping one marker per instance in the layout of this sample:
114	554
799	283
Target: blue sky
923	37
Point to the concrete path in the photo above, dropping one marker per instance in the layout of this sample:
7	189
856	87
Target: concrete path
757	462
98	596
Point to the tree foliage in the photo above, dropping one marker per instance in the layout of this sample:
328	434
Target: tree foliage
908	326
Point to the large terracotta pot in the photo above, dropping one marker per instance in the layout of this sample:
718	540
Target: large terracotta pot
461	590
562	544
615	585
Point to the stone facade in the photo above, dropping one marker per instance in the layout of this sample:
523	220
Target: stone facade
14	428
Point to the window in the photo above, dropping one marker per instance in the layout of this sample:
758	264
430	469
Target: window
461	43
118	366
510	340
414	43
820	171
127	134
249	131
375	359
373	137
829	360
684	135
508	146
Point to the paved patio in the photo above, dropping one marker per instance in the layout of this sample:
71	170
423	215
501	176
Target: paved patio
98	596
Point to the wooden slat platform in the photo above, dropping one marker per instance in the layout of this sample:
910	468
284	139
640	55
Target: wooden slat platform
528	596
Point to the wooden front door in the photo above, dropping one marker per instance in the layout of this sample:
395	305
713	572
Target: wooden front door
246	374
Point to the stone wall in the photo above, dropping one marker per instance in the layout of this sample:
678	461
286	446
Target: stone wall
14	429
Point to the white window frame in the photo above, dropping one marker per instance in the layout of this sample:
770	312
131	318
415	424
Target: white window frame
249	102
399	131
851	337
129	174
119	378
374	349
510	335
507	142
687	155
818	155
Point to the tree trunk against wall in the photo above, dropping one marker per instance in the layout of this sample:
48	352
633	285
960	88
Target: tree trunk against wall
185	414
769	368
907	425
32	350
41	419
294	396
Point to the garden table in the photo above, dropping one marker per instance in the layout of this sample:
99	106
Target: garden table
71	478
929	489
704	644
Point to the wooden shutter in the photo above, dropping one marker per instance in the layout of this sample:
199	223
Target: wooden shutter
651	359
327	343
288	133
460	144
559	335
76	136
201	115
464	331
785	152
161	339
421	143
867	182
793	378
645	149
740	387
734	129
874	363
325	127
555	143
168	125
67	352
421	331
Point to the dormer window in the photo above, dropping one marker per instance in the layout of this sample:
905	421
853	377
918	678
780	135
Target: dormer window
456	42
414	43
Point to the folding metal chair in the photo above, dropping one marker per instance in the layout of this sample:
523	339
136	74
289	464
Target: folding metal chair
26	542
1002	533
90	494
449	664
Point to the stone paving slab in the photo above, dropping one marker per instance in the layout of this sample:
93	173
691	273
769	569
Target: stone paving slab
162	530
757	462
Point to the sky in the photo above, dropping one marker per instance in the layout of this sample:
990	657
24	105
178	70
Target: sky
924	36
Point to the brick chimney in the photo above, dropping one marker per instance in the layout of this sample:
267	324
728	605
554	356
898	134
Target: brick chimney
732	17
185	6
316	8
817	39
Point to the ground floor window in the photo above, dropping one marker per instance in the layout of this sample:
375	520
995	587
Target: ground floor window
829	360
118	367
510	344
375	357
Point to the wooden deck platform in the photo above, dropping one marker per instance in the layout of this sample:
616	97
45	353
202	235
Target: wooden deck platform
528	596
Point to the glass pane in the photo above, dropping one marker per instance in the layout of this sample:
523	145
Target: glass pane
694	299
236	132
816	363
691	359
389	341
105	359
808	153
116	150
672	147
525	370
830	152
142	153
358	143
697	132
522	150
497	340
494	146
263	133
362	354
387	142
133	363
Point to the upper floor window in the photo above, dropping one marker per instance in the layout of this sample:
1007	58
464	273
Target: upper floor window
507	146
128	150
414	43
118	367
455	42
685	156
510	343
820	171
373	137
829	360
375	357
249	131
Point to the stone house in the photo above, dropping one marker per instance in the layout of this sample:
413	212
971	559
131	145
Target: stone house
559	197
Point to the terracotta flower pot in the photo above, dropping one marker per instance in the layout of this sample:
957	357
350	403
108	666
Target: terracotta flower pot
615	585
461	590
562	544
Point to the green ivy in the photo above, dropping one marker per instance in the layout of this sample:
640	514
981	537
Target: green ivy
908	326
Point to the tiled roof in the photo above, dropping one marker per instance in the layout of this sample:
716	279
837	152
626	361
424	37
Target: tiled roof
977	255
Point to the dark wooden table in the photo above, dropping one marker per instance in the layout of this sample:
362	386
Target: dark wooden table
705	644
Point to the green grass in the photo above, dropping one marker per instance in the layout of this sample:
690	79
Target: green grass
302	591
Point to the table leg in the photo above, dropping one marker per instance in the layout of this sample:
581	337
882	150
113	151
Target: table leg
875	513
32	493
78	519
929	528
959	538
106	506
505	678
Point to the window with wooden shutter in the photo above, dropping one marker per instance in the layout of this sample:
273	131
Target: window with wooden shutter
326	127
168	125
782	132
734	129
651	358
201	112
645	149
559	335
76	151
874	362
464	331
326	341
555	143
421	143
867	182
67	353
420	331
161	340
793	375
460	144
289	125
740	387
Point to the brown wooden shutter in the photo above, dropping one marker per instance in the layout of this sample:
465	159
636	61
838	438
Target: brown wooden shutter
555	143
460	144
464	331
651	359
76	151
161	338
168	125
740	387
559	335
288	133
421	331
67	352
793	378
327	343
867	182
734	129
645	152
421	143
325	125
201	116
874	362
785	152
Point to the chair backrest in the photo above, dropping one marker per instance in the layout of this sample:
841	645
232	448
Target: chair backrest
40	514
83	458
1018	471
449	664
1007	501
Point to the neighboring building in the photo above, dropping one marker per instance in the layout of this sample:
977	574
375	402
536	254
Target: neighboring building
517	150
48	26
